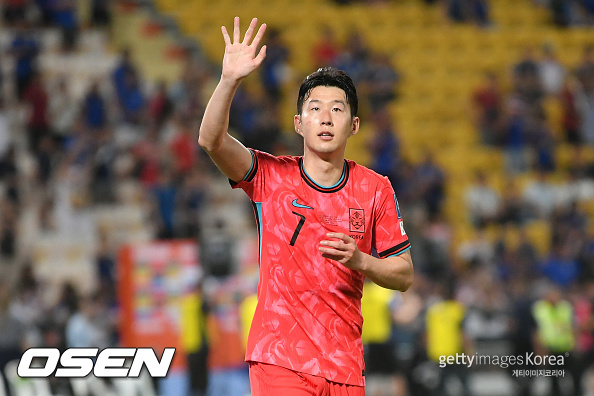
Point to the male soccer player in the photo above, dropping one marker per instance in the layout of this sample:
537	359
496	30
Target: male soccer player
319	216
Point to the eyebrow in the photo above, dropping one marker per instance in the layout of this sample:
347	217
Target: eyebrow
342	102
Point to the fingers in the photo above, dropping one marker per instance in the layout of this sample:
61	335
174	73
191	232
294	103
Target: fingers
259	35
339	235
236	32
338	245
248	35
331	256
250	32
226	36
261	55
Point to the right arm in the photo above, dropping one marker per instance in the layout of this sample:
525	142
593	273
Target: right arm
240	59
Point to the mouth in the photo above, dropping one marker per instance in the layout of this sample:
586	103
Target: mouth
325	135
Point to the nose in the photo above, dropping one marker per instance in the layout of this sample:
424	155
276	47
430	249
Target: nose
326	117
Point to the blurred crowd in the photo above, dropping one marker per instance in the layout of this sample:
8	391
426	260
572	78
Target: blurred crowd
70	145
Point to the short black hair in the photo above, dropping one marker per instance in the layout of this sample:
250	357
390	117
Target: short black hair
329	77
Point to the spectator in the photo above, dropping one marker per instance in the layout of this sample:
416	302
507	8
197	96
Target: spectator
512	209
477	252
274	70
102	187
228	372
45	160
354	57
540	196
36	98
523	330
159	105
582	299
6	138
192	196
194	339
483	203
385	146
380	82
526	258
63	110
24	48
165	195
64	16
101	13
132	99
377	306
526	79
325	51
435	244
147	155
560	267
9	176
94	109
542	142
8	230
184	148
474	11
431	184
488	320
552	72
88	327
515	136
585	75
14	11
266	133
488	104
66	306
446	337
587	8
561	12
570	98
124	67
555	332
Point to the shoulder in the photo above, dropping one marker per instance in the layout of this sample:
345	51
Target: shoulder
364	174
282	160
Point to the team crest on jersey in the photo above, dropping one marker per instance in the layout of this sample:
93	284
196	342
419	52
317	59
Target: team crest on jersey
356	220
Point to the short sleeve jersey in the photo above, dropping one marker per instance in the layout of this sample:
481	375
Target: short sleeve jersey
308	317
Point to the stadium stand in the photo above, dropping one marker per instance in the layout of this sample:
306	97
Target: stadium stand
68	205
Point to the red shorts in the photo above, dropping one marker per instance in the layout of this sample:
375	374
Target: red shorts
268	379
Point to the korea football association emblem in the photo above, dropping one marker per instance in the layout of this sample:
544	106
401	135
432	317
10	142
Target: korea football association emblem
356	220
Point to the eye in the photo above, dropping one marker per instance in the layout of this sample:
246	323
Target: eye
315	108
336	109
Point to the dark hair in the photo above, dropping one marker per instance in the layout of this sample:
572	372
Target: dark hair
329	77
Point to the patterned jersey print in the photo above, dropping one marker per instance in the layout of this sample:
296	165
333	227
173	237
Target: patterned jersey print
308	317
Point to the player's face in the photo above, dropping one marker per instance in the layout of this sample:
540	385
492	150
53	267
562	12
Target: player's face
325	121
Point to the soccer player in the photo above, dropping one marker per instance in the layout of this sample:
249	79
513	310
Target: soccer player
319	216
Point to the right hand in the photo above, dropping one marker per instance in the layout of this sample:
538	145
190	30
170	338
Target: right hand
240	58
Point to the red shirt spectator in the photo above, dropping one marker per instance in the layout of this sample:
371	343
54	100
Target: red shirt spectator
184	149
36	97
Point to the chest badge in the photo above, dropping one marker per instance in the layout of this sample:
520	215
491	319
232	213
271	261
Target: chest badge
356	220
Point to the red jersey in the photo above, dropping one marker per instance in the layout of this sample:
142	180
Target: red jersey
308	318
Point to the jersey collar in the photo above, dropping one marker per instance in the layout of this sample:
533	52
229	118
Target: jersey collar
337	187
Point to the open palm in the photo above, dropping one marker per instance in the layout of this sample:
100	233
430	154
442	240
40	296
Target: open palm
240	56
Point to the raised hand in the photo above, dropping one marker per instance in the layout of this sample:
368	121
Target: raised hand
240	58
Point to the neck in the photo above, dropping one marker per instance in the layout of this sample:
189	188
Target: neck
324	171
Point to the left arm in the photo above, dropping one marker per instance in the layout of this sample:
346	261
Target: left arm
394	272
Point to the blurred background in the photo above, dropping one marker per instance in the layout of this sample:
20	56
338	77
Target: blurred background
117	230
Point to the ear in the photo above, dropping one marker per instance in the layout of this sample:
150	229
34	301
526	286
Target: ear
355	126
297	123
